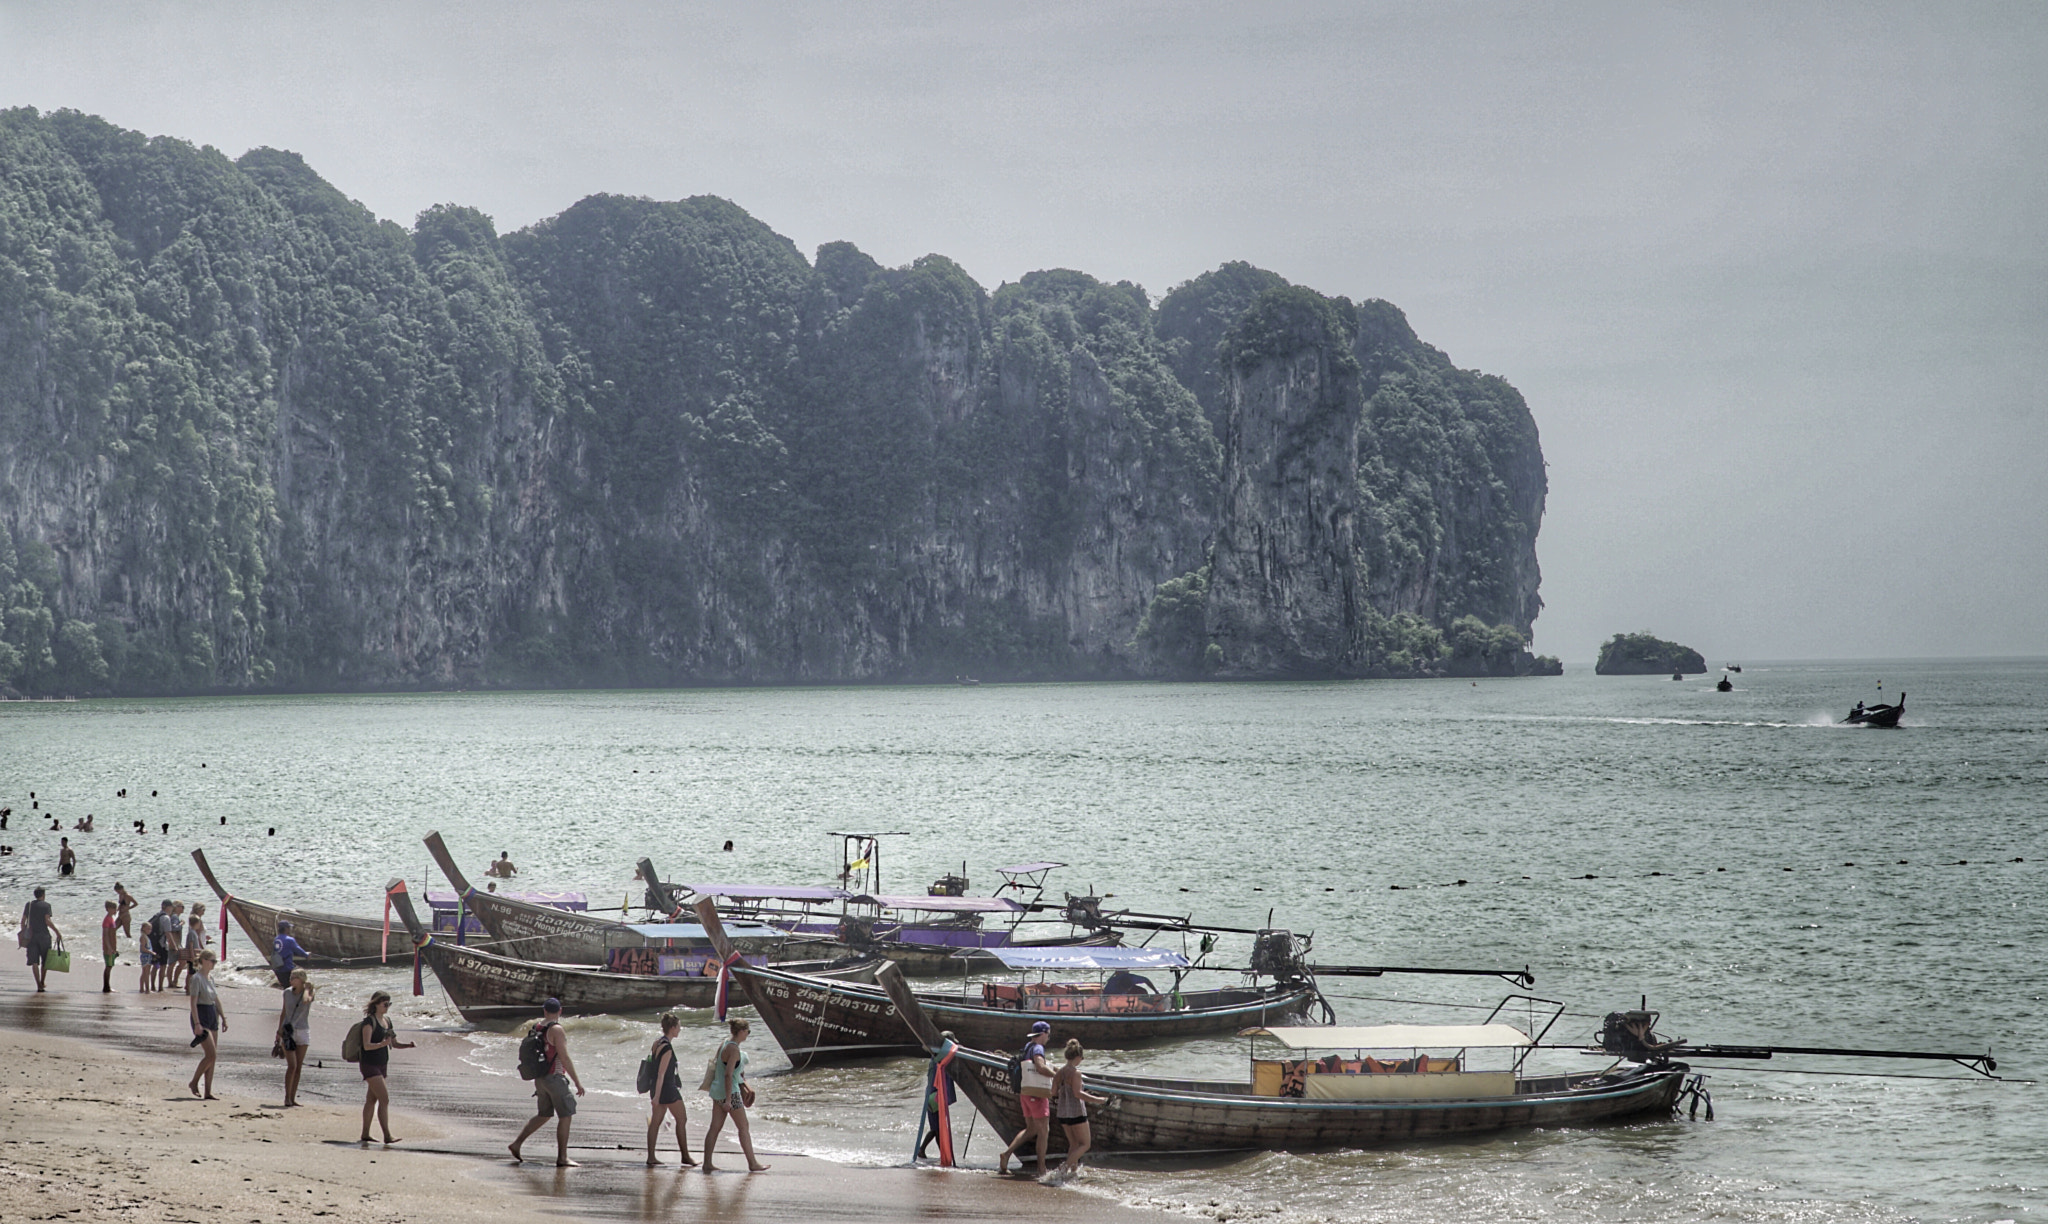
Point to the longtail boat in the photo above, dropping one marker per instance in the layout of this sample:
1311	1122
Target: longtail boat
486	987
331	940
1878	715
527	931
817	1020
1304	1104
1433	1083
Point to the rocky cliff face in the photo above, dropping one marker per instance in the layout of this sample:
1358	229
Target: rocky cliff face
252	437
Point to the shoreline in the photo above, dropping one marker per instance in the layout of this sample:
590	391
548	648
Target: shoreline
100	1081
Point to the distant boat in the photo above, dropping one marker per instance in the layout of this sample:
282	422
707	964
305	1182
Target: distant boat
1677	676
1736	668
1877	715
1725	686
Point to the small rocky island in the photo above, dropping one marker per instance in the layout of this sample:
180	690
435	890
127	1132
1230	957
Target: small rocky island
1643	654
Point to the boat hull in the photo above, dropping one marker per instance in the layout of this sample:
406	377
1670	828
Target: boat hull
819	1021
331	941
1165	1116
487	988
919	959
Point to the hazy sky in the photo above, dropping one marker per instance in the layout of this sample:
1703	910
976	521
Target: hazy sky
1774	278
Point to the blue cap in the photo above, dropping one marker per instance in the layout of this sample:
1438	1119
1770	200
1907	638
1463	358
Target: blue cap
1041	1027
555	1005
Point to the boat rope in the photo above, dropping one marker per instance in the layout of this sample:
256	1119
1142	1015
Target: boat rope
1696	1089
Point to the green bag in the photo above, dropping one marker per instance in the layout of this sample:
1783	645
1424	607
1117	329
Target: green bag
57	960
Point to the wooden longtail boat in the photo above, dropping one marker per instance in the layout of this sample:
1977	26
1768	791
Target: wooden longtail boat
817	1020
1878	715
1303	1104
331	941
485	986
526	931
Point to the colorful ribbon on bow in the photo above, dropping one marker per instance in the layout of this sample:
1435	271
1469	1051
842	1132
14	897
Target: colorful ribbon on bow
942	1122
725	982
224	902
384	949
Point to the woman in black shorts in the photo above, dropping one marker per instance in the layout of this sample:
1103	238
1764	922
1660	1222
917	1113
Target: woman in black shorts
667	1093
379	1039
1070	1102
208	1022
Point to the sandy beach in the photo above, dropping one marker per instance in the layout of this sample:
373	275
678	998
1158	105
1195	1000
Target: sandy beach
102	1127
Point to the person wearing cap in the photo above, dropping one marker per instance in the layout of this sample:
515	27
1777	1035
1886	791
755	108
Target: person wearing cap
283	950
551	1095
1035	1095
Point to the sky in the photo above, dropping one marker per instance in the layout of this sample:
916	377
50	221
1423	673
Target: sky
1772	277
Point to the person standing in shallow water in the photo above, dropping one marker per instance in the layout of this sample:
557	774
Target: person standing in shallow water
729	1097
552	1098
379	1039
109	946
209	1021
283	950
36	920
1035	1098
666	1096
1070	1102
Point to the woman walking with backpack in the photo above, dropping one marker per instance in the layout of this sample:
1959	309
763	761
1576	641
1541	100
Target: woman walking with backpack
374	1040
726	1081
665	1092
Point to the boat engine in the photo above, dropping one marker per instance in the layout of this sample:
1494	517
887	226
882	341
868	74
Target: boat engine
1279	955
856	932
948	886
1085	912
1630	1035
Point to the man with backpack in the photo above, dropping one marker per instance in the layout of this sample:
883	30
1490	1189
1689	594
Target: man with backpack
544	1059
156	934
1032	1077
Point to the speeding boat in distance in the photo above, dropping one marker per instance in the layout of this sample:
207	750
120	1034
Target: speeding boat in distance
1878	715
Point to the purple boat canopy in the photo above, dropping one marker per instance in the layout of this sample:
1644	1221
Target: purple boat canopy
1027	868
808	894
944	905
1088	958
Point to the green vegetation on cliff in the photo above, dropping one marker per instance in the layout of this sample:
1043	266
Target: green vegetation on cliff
1644	654
252	436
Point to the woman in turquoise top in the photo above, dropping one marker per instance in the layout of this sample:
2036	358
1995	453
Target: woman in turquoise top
730	1096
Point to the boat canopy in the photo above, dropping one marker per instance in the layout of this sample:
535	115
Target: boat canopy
1394	1036
691	931
806	893
944	905
1085	958
445	898
1027	868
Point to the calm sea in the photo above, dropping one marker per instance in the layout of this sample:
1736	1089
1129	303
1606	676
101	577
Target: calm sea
1759	873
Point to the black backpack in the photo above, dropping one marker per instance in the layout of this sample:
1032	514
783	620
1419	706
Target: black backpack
533	1051
1016	1069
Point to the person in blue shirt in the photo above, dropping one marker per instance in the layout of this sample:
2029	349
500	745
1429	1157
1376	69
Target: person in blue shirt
1123	981
283	950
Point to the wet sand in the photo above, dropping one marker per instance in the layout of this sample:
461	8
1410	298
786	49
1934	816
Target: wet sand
104	1128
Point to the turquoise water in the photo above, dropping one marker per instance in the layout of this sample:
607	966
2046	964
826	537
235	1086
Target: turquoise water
1718	829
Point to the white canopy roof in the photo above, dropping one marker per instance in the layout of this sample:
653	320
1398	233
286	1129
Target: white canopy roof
1394	1036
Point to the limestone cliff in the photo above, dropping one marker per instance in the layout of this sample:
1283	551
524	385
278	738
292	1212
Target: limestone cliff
252	437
